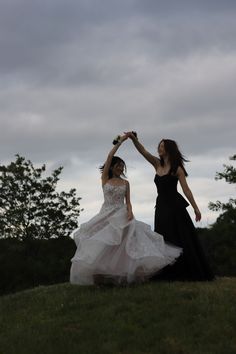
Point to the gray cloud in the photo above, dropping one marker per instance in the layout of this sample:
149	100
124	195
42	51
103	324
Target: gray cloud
76	73
83	42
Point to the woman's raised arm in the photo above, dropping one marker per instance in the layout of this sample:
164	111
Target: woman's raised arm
153	160
105	172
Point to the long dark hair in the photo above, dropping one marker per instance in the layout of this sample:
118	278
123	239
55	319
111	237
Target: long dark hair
176	158
114	161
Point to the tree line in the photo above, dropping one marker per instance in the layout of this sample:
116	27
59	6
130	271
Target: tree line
35	223
220	238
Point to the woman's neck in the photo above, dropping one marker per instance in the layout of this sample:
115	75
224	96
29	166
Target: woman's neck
166	161
116	177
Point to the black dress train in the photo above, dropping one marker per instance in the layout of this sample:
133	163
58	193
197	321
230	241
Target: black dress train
175	224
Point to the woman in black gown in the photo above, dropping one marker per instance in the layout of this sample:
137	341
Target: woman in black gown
171	217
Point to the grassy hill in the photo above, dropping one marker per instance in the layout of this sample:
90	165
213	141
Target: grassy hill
158	318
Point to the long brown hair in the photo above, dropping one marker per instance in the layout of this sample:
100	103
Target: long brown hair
176	158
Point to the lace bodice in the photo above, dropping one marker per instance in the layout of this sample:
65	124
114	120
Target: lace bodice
113	196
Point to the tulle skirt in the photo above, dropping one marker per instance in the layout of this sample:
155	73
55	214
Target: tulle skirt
111	248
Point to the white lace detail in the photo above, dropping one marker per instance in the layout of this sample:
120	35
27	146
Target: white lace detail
139	245
113	196
93	226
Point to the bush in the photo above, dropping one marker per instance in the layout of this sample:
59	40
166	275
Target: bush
26	264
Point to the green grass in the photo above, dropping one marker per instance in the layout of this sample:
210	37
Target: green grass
159	318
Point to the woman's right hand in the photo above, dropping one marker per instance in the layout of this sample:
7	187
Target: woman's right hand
130	135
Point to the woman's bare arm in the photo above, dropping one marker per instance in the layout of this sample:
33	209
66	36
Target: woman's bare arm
128	202
188	193
153	160
105	172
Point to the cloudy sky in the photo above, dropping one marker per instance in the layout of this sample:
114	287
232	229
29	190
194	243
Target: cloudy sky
74	74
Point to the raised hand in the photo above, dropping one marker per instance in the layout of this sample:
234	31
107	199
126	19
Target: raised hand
120	139
132	135
123	138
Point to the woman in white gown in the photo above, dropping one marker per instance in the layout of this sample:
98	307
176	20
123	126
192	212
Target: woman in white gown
113	246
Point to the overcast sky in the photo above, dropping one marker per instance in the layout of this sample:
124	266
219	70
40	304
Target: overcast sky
74	74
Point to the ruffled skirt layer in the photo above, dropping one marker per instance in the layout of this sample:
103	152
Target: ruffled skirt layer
111	248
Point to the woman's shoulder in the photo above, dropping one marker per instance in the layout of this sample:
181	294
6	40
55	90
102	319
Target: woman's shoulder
126	183
181	172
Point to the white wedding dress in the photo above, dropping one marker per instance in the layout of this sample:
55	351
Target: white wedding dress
112	248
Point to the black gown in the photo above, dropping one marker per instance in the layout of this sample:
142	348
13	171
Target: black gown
173	221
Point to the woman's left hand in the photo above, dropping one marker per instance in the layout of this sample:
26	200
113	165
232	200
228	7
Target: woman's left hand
130	215
198	215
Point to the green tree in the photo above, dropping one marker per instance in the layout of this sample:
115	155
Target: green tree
229	174
221	235
30	206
